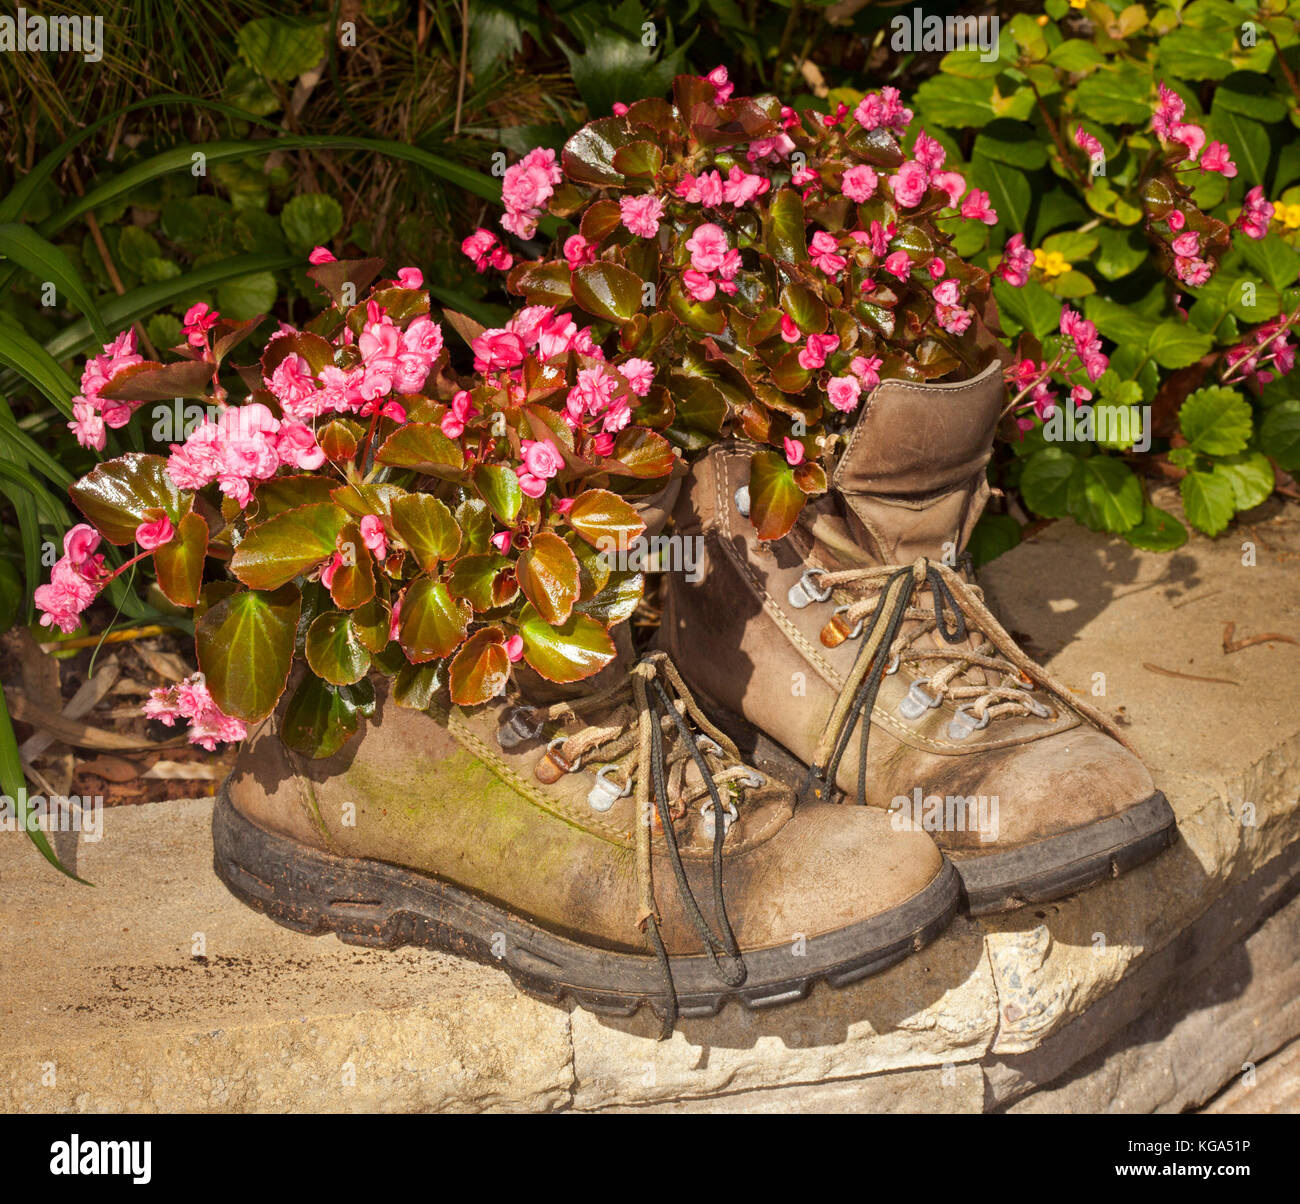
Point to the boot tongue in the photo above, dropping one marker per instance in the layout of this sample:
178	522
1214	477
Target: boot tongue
912	476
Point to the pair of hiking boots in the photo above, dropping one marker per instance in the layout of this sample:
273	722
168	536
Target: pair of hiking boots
681	830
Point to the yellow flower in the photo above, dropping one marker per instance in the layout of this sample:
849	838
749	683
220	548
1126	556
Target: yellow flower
1078	3
1288	215
1051	263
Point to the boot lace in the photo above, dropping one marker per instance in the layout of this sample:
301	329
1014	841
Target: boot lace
891	622
640	729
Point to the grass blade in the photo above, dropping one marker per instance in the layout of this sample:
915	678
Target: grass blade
48	263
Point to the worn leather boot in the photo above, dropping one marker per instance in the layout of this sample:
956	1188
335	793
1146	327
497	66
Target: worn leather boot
509	834
872	667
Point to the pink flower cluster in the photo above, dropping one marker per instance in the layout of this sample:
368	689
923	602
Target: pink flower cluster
1017	261
1087	343
1256	213
75	581
713	263
91	414
1270	354
525	189
1168	124
393	361
191	700
246	444
486	252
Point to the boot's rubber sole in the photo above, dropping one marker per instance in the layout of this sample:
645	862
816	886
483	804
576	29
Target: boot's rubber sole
374	903
1002	881
1061	865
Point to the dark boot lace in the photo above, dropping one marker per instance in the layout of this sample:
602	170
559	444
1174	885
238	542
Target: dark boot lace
892	626
643	736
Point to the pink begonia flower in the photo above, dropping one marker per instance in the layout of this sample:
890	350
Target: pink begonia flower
1017	261
199	319
928	152
909	184
1086	342
898	264
859	183
639	374
501	541
741	187
1216	158
525	189
92	414
542	460
515	643
619	109
976	208
482	248
410	278
789	331
1086	142
704	189
564	505
374	536
815	351
722	86
190	699
496	349
803	175
1176	220
154	533
793	451
1187	244
844	392
823	251
296	447
79	546
953	319
885	109
867	370
458	414
321	255
1256	213
878	236
1169	111
641	214
707	245
700	286
947	293
935	268
1191	271
578	251
774	149
1191	136
953	183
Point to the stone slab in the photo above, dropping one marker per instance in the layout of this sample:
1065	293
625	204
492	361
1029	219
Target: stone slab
1053	1006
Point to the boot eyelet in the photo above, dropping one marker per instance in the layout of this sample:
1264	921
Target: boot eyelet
515	730
857	631
752	779
606	792
805	591
728	818
706	744
963	723
892	667
742	501
916	702
558	761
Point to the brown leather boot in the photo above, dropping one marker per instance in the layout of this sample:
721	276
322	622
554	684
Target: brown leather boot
857	625
509	834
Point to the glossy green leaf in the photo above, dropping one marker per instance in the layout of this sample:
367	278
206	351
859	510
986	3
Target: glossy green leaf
548	576
278	550
179	562
245	648
117	495
432	623
427	528
568	652
481	668
334	649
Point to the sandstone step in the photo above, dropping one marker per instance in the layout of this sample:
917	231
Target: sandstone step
156	990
